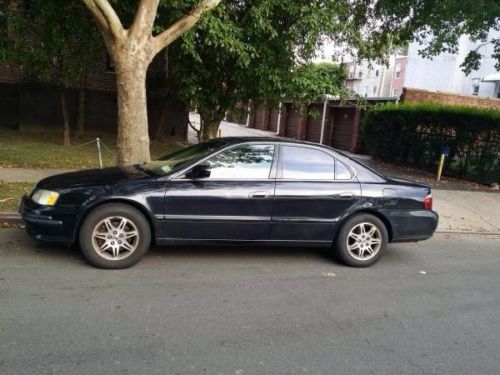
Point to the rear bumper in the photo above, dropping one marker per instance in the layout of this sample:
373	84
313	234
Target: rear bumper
48	224
411	225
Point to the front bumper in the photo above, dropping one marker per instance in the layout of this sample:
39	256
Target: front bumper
411	225
48	224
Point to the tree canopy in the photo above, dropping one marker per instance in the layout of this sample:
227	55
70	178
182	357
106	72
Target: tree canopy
251	49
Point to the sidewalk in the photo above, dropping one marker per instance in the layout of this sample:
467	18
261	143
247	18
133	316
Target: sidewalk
467	211
27	174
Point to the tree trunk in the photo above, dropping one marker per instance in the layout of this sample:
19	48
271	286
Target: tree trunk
210	129
81	112
133	132
132	51
65	115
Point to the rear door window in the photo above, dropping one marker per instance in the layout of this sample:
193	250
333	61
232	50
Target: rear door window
301	163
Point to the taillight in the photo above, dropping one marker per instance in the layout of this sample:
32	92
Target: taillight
428	202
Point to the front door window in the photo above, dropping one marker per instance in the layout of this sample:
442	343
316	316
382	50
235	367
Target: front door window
242	162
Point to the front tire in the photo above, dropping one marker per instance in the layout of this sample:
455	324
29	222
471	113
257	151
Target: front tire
362	240
115	236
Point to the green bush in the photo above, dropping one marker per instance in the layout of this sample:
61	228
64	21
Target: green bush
417	134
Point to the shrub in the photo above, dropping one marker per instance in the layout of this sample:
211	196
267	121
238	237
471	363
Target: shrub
417	134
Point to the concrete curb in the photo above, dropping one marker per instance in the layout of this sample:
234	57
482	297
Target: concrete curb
467	232
11	218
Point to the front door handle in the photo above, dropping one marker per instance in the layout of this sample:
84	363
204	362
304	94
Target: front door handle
259	194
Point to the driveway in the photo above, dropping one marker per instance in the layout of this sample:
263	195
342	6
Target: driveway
228	129
425	308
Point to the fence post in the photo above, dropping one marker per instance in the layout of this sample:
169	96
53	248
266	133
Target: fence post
98	141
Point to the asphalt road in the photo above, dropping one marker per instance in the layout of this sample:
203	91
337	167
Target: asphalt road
427	308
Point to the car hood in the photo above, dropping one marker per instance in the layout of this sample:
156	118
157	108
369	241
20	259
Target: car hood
106	176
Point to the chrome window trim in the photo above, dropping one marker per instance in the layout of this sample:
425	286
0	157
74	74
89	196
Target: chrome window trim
275	165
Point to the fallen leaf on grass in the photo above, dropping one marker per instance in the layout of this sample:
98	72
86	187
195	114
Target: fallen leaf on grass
10	225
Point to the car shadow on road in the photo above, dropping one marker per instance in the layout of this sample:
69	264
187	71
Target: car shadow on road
395	254
239	250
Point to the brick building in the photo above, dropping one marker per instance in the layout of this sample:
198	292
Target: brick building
342	126
35	105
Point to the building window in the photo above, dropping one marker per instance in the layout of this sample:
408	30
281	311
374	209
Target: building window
351	71
377	73
365	91
394	92
475	86
484	37
360	74
398	70
374	90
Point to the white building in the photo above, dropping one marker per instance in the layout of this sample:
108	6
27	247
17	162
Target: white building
443	72
370	79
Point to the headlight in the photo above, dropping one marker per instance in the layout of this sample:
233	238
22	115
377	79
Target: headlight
45	197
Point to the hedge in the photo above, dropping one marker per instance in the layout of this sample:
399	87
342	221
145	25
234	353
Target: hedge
418	133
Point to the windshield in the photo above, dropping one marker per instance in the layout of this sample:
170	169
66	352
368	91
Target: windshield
177	160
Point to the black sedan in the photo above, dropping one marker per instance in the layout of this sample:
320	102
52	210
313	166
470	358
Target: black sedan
265	191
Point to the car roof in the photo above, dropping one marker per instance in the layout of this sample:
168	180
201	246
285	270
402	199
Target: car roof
234	140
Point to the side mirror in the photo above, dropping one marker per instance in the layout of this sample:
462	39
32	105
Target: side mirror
199	171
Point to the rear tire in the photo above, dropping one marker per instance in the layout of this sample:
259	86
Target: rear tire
362	240
115	236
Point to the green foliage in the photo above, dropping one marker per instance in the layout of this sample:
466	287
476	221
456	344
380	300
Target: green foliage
251	50
417	133
248	50
473	59
312	82
52	40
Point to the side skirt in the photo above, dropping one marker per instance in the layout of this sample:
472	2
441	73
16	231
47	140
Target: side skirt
222	242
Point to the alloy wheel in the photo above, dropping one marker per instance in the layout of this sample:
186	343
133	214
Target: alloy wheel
364	241
115	238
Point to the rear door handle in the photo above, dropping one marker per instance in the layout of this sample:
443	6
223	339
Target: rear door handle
259	194
346	195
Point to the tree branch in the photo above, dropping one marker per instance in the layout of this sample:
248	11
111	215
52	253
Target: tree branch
96	13
185	23
144	18
106	17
